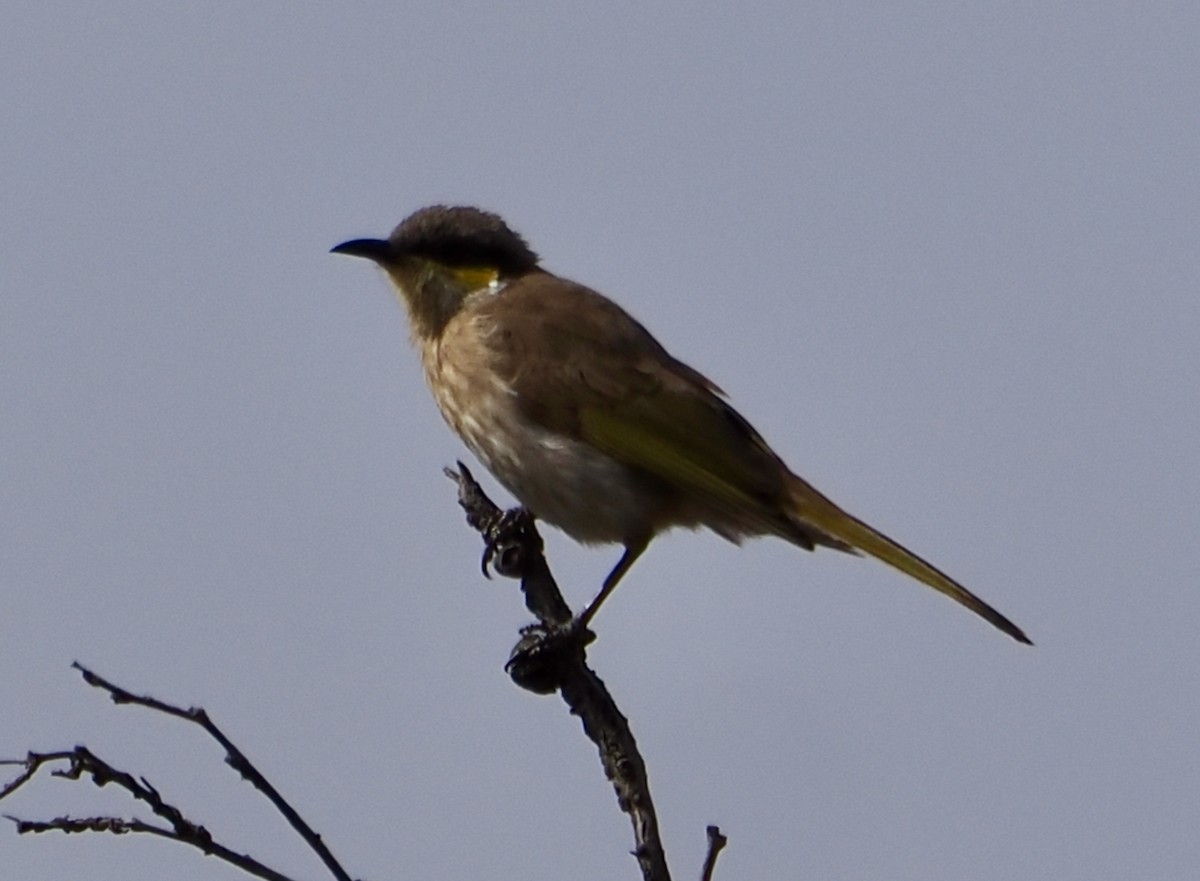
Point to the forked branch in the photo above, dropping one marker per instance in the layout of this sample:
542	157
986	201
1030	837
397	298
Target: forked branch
82	764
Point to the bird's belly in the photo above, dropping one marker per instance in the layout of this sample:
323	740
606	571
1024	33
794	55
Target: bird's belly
563	481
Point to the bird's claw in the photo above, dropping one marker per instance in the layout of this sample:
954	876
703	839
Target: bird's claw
504	540
542	660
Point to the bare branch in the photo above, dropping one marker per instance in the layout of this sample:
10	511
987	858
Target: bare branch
513	548
85	763
32	762
234	757
716	842
551	655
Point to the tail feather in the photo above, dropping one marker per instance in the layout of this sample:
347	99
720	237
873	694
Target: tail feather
814	510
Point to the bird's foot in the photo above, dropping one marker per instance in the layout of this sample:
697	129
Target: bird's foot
546	654
506	539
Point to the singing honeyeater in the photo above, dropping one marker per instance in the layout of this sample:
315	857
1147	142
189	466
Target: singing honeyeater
585	418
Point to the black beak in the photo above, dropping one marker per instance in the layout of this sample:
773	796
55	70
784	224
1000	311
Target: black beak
376	250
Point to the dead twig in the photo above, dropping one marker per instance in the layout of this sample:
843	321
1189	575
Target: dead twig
716	841
84	764
552	656
234	757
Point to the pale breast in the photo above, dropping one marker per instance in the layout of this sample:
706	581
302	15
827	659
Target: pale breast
565	482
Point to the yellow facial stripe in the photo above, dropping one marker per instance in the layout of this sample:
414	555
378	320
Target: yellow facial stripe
472	278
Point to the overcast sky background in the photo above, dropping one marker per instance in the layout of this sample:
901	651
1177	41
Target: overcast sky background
943	255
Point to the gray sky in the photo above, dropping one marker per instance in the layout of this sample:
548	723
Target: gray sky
944	257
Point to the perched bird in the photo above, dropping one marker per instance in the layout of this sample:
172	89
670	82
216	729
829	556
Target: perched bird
585	418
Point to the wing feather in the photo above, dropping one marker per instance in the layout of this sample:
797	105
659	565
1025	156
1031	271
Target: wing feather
581	365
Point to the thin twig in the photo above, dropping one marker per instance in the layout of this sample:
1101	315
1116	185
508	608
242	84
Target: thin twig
234	757
85	763
716	841
32	763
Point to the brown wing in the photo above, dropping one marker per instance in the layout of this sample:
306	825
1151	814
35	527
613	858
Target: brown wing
582	366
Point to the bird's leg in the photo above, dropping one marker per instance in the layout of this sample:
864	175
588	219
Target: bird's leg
632	552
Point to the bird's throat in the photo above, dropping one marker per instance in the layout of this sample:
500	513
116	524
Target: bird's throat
431	299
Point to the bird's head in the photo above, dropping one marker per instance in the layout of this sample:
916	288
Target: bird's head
440	255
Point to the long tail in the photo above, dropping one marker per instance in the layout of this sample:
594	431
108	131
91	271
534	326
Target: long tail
814	510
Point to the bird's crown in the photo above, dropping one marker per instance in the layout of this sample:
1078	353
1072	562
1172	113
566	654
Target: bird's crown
462	236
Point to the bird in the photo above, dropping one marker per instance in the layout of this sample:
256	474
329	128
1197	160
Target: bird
580	413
